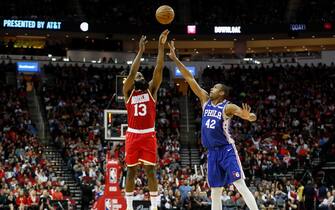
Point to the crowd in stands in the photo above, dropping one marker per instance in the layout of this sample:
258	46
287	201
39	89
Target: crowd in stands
292	130
295	125
295	108
27	178
75	105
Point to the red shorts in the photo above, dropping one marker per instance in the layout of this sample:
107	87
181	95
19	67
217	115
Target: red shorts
141	148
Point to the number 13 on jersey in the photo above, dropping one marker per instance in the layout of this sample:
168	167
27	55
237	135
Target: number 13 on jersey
140	110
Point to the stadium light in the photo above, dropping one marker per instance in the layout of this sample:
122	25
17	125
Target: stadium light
191	29
84	26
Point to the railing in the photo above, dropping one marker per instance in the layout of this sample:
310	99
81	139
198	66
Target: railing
41	123
187	116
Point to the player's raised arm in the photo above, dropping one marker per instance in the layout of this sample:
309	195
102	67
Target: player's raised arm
129	82
244	112
201	93
158	72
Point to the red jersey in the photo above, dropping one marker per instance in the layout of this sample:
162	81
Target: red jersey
141	108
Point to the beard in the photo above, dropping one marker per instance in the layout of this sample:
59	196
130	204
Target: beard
141	85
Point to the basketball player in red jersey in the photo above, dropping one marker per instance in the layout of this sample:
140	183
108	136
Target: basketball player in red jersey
141	146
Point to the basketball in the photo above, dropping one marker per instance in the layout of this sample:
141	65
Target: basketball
164	14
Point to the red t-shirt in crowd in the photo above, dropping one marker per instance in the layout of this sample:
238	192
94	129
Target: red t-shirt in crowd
32	200
57	196
21	200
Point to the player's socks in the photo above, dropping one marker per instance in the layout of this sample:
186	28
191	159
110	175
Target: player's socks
246	194
129	199
154	198
216	193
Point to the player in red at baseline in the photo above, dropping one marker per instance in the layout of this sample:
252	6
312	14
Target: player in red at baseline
141	145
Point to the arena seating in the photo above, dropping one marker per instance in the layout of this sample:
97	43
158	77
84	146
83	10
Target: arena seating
295	109
272	149
25	173
74	108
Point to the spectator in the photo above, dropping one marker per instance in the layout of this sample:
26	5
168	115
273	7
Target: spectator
292	203
309	195
21	154
45	201
184	190
57	194
33	200
21	201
